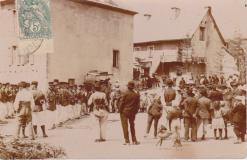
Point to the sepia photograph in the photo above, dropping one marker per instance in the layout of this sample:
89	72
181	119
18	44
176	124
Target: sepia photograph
123	79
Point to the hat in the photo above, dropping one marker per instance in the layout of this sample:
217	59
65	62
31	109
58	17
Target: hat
56	80
51	84
22	84
169	82
34	83
131	85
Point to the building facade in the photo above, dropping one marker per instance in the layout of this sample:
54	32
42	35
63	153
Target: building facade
87	35
183	44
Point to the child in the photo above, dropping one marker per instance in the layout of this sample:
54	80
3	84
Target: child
218	121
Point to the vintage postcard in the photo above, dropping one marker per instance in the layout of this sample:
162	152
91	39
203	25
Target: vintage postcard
123	79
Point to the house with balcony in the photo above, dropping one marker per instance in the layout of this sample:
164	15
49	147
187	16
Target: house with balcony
178	42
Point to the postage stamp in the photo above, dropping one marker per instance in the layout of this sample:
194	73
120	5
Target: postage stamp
34	19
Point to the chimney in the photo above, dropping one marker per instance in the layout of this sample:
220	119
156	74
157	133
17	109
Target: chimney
209	8
176	12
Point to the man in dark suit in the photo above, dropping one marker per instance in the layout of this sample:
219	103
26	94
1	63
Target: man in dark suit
190	108
169	95
204	106
239	119
128	108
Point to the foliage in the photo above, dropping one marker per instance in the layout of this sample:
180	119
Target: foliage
27	149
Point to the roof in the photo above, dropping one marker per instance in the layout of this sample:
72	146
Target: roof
163	27
114	5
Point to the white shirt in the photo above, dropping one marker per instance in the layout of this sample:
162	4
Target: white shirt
24	95
97	95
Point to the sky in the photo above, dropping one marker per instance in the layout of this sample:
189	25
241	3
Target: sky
230	15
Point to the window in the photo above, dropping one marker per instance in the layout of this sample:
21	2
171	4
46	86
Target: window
115	58
137	48
13	54
202	33
150	48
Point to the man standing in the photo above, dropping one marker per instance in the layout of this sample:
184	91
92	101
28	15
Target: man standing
204	105
100	110
38	112
51	104
169	95
128	108
82	99
24	104
189	114
239	119
64	100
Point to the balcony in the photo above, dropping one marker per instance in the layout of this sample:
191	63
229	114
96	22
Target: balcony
158	55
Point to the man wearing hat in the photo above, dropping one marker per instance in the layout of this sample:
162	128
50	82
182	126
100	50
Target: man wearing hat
169	96
72	101
128	107
238	114
190	108
9	104
64	100
235	90
24	104
82	100
100	109
203	112
38	112
115	96
51	104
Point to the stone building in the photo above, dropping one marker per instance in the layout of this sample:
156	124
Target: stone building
178	41
86	35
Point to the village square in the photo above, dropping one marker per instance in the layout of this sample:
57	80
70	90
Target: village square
83	79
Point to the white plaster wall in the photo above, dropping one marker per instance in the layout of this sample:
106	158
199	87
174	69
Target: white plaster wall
84	39
210	47
229	65
10	70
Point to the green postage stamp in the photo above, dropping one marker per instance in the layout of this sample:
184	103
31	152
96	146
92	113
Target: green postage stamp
34	19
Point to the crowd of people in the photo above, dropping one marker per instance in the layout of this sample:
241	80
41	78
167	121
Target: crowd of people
205	101
214	103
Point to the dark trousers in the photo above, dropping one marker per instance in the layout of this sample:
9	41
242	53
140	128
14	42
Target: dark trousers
225	122
152	118
240	130
190	122
125	119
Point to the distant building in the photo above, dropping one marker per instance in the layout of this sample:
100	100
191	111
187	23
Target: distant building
182	42
87	35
